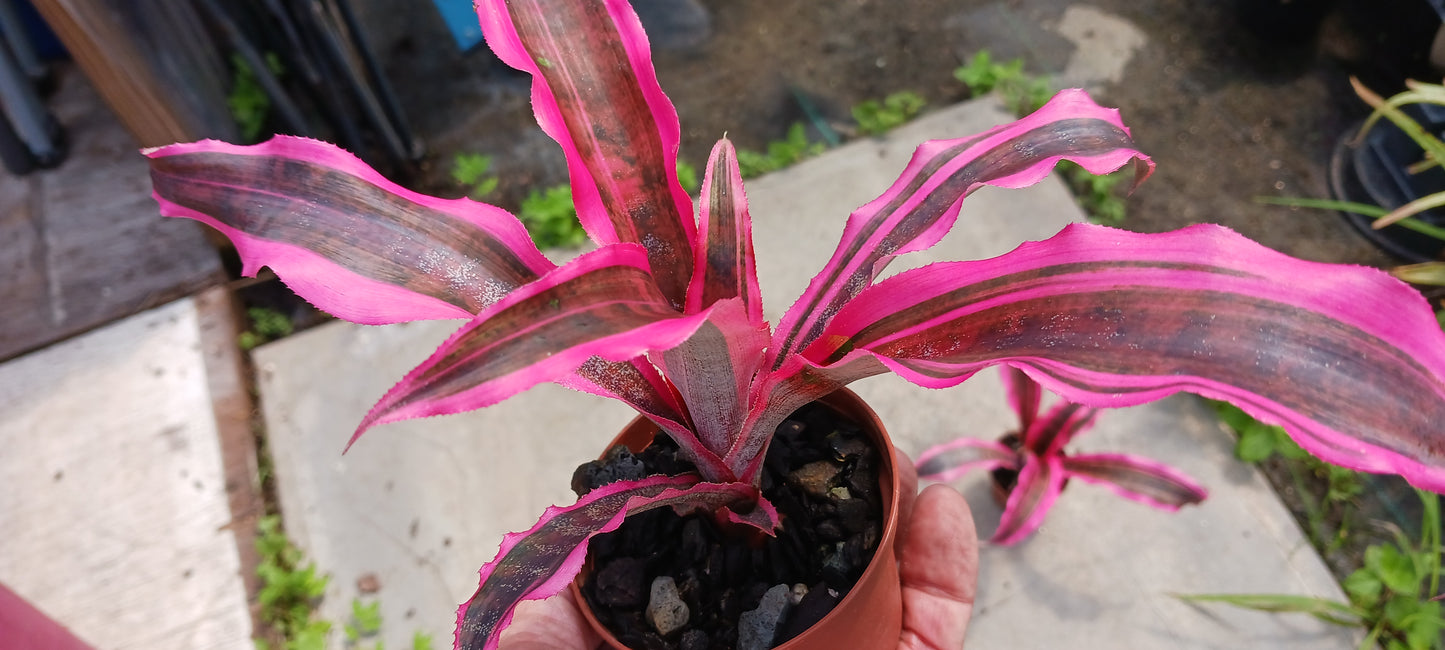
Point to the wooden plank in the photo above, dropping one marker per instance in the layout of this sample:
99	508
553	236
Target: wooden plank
153	61
228	379
83	244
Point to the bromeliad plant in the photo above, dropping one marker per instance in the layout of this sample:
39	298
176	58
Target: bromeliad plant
665	313
1035	459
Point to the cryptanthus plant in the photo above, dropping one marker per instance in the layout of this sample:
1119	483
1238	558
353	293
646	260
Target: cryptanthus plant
1034	457
665	313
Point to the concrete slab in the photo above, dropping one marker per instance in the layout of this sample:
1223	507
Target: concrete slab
420	505
114	496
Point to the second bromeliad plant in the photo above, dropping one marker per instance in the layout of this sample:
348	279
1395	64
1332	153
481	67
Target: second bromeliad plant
665	314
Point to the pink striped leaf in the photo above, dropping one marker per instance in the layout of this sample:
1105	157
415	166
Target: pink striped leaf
713	368
726	266
923	203
543	560
1348	360
365	249
1049	434
1039	484
1024	396
955	458
343	237
1140	479
595	92
602	304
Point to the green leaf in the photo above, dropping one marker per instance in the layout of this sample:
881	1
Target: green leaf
1423	630
421	641
1364	588
551	218
470	168
1395	569
1320	608
1399	611
875	118
687	177
367	617
1255	444
310	637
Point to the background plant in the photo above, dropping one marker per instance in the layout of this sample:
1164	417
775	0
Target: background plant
791	150
266	325
290	588
247	100
876	117
472	171
1035	466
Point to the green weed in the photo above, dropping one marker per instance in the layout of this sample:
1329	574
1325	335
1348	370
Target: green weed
365	621
687	177
551	218
1022	93
266	325
876	118
247	100
290	588
1098	195
781	153
470	170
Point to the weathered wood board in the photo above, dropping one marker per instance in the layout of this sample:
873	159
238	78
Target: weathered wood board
84	244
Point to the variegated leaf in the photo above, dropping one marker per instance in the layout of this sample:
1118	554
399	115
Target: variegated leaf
1348	360
1039	484
726	266
596	93
712	370
923	203
541	562
351	242
955	458
602	304
1140	479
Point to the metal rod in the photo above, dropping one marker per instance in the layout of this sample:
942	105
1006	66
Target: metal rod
379	81
290	114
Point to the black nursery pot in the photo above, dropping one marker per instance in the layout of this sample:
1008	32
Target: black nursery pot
870	616
1375	171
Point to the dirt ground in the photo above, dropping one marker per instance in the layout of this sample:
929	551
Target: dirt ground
1230	105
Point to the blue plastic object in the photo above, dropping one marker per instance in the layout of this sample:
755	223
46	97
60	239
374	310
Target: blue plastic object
461	19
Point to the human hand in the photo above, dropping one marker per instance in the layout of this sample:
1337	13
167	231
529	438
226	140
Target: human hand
936	531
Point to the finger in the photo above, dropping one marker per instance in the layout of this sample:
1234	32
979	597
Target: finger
550	624
939	571
907	492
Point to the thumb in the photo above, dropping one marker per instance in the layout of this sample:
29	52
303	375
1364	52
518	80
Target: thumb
939	571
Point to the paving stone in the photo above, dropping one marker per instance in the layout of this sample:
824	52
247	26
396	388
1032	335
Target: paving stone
422	504
113	486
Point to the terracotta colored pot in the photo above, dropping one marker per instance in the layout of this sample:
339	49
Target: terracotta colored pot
871	615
